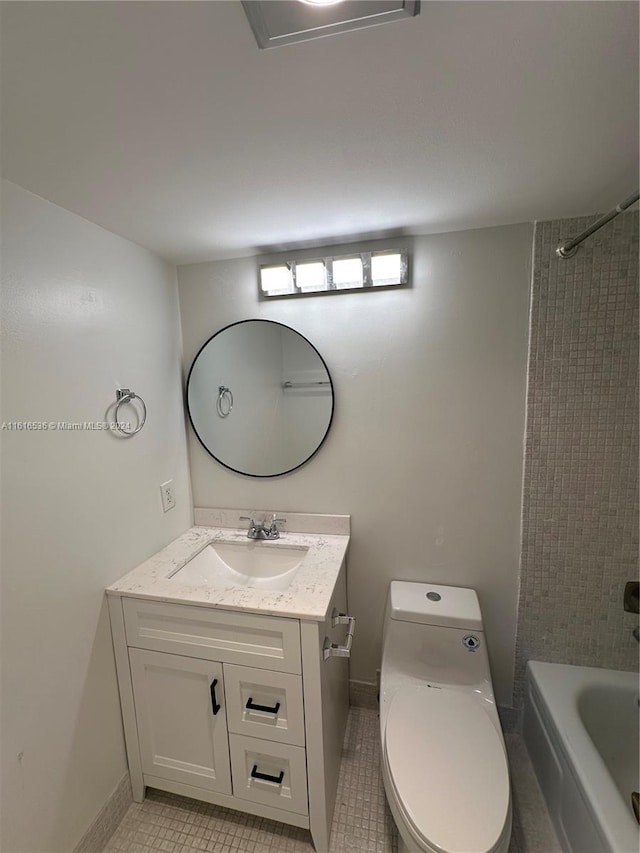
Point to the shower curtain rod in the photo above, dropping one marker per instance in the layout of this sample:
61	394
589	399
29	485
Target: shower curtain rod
568	249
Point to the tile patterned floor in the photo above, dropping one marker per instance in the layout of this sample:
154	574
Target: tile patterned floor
362	823
533	831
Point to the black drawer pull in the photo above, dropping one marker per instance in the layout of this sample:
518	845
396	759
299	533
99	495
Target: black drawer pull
255	774
251	706
214	704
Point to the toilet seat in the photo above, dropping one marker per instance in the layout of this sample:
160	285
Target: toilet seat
448	769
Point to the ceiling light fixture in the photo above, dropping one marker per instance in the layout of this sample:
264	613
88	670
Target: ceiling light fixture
280	22
370	265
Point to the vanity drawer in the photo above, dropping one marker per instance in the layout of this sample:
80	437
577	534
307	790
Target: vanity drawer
284	766
223	635
264	704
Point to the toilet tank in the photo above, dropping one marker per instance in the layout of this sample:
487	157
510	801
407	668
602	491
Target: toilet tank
429	604
434	633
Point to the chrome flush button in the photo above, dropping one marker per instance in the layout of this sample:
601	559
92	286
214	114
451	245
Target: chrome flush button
471	643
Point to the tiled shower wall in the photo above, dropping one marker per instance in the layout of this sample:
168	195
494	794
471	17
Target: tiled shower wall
580	503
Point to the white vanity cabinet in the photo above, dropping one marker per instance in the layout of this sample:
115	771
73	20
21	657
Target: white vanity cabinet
239	709
180	710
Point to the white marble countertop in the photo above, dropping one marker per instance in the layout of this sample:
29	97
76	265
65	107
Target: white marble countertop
307	597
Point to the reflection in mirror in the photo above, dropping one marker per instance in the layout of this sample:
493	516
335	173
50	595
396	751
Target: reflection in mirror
260	398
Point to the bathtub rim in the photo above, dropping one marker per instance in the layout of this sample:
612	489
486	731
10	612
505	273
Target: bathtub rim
557	688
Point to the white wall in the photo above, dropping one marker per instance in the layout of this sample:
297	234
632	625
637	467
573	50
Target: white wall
84	312
425	451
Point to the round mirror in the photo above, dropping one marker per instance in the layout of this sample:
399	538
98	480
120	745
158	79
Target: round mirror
260	398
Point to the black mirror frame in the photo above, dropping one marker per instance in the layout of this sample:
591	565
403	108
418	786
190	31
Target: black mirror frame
193	426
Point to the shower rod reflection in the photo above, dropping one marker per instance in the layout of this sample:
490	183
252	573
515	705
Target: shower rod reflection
306	384
568	249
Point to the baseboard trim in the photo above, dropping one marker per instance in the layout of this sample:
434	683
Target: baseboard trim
108	819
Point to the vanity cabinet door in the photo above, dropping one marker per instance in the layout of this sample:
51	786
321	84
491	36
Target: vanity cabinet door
180	712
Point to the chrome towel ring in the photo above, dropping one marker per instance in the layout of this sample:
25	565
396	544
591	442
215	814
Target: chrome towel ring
124	395
224	403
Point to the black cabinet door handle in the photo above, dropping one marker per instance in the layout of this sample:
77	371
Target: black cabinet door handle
251	706
255	774
215	707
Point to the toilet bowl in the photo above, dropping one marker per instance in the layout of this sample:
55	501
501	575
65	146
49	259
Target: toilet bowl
444	763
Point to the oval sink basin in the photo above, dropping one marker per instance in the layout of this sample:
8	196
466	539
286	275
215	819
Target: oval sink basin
244	564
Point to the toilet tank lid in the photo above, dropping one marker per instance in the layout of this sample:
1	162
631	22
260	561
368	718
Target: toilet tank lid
430	604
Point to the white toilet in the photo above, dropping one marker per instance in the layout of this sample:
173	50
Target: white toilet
444	763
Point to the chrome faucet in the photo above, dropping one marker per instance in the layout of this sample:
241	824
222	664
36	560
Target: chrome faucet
260	530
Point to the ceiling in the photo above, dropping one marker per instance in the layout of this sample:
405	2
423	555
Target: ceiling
164	122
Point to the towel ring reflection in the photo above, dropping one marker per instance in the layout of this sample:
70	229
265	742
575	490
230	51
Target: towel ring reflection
124	395
224	403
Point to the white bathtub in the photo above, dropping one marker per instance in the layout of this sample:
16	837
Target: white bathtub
581	730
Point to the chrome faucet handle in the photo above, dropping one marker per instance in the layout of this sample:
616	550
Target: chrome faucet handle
254	531
272	531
